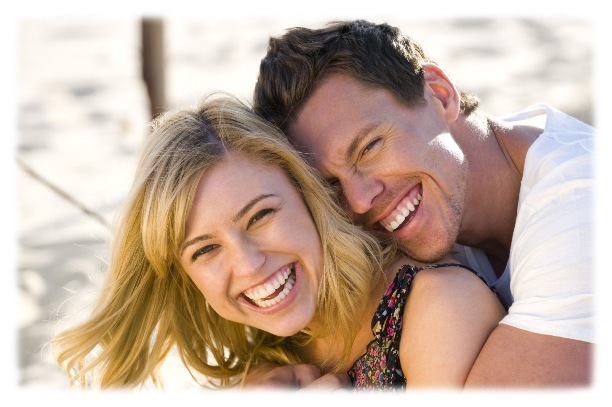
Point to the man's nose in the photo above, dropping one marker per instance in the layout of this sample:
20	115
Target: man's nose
360	192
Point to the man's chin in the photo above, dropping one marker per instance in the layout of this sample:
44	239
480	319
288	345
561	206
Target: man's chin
424	253
428	255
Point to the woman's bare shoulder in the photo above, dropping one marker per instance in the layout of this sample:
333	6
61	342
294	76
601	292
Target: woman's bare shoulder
449	314
443	275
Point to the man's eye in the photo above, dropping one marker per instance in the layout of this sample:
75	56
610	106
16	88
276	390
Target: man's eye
259	215
335	185
370	146
204	250
336	188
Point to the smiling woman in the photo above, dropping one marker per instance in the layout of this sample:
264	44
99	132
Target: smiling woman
250	261
222	214
232	249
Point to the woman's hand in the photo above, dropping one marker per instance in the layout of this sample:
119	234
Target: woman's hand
302	376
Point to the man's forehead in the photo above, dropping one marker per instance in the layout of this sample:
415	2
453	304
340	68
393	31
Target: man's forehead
313	156
323	153
331	121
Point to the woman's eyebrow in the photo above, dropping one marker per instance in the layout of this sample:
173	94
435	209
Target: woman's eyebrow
249	205
195	240
235	219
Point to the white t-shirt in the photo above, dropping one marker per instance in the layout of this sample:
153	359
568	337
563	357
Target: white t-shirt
550	270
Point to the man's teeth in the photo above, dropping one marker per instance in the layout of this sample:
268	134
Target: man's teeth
286	278
405	208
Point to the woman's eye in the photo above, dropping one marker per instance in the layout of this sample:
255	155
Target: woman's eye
259	215
204	250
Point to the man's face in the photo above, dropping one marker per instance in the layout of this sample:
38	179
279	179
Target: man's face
400	171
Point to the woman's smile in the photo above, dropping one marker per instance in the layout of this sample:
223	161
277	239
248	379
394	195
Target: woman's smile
275	289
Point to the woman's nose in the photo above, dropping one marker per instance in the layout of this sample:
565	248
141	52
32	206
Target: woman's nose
247	258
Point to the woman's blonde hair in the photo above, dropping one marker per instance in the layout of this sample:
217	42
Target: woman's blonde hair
149	304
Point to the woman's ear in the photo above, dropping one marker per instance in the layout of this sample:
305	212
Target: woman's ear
444	90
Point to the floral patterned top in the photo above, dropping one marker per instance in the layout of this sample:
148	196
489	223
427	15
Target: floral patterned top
379	368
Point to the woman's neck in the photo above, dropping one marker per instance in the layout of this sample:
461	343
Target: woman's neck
314	352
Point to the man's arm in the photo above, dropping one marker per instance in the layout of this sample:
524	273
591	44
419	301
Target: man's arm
513	357
552	271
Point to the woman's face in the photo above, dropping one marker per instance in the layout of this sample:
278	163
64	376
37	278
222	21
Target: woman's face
252	248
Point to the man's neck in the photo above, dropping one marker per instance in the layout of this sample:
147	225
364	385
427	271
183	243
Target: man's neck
496	154
498	264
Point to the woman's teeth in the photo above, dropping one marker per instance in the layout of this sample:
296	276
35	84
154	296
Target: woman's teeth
259	295
403	210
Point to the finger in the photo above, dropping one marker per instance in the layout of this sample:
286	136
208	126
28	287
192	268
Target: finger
304	375
331	381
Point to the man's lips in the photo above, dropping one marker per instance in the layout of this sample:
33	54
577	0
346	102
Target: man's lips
403	211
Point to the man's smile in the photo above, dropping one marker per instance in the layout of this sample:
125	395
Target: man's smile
403	211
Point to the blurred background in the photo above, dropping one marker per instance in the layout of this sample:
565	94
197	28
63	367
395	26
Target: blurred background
83	105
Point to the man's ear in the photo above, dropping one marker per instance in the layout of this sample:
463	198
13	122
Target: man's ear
444	90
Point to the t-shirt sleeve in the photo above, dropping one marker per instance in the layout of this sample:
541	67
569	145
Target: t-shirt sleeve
552	253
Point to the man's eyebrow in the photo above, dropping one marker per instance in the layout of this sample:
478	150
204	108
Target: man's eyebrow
361	134
235	219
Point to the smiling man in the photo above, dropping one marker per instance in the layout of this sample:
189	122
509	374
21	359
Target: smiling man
414	159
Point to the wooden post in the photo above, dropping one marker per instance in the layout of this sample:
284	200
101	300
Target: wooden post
153	63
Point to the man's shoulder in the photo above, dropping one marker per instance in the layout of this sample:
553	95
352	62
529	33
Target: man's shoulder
548	118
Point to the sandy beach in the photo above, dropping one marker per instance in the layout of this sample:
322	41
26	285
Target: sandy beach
82	113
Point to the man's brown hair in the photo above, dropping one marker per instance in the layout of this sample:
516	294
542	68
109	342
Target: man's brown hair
375	54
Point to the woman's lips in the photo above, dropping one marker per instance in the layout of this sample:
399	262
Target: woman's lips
403	212
274	290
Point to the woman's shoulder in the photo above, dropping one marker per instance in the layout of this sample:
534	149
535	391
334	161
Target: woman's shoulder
445	273
444	285
448	274
445	281
450	311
